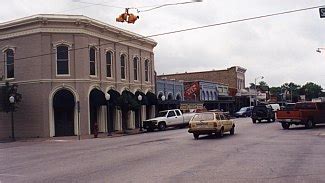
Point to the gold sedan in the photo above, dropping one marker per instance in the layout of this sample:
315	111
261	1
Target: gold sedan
209	123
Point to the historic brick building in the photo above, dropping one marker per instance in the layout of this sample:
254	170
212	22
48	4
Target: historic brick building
234	77
60	61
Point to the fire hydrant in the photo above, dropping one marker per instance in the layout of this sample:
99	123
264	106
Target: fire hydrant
95	130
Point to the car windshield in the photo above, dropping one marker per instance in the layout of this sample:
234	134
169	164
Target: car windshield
243	109
162	114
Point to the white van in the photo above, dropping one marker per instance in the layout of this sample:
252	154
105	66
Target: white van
275	107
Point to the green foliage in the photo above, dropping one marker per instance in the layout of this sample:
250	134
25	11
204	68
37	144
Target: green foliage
311	90
127	101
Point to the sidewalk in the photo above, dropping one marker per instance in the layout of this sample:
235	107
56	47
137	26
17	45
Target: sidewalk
75	137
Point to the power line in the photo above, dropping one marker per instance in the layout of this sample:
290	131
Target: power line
184	30
169	4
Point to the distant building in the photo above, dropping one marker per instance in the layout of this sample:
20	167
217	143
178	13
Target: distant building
234	77
170	93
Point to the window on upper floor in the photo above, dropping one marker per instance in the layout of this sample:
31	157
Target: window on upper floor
146	70
109	59
10	59
123	67
135	68
92	61
62	60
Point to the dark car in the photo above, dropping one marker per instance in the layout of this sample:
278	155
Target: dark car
244	112
263	112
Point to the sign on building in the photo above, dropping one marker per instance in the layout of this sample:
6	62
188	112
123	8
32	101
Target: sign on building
322	12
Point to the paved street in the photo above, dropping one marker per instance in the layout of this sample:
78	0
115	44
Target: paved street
256	153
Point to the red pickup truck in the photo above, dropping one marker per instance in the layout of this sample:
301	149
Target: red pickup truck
304	113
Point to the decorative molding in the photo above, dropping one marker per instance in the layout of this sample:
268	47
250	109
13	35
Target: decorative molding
61	42
7	47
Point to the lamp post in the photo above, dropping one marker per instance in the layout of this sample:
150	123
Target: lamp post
140	111
12	106
260	77
108	97
79	130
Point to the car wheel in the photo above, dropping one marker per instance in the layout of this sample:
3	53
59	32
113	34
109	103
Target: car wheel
162	126
259	120
254	120
285	126
268	119
309	124
273	119
232	131
196	136
220	133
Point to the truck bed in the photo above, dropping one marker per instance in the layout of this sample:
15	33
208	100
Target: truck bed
288	114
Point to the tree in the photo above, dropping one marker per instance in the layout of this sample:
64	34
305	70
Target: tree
311	90
290	91
263	86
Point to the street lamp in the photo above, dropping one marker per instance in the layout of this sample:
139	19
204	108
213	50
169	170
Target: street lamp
108	97
260	77
140	99
163	98
319	50
12	104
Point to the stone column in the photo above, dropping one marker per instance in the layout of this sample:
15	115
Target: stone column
153	111
131	120
118	120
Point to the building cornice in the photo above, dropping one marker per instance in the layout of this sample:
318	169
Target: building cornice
77	20
72	30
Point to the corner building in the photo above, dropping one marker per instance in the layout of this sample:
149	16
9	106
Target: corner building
60	61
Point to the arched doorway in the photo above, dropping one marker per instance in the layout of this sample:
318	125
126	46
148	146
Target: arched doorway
111	116
127	103
64	106
138	112
96	99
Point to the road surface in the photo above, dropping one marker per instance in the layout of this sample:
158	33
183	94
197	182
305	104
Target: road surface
261	152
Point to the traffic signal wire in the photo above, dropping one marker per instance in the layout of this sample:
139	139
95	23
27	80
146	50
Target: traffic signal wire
182	30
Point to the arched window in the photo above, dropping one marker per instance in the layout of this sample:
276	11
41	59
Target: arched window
211	95
146	70
62	60
215	96
135	68
92	61
109	59
178	97
10	70
123	67
203	95
170	96
207	95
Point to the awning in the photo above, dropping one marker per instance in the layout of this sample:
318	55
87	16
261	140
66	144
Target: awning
97	98
63	99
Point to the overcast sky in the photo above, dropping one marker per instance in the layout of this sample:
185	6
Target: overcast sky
282	48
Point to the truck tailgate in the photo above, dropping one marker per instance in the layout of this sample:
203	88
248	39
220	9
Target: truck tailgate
292	114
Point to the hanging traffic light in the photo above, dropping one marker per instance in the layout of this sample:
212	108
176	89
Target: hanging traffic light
132	18
122	17
127	17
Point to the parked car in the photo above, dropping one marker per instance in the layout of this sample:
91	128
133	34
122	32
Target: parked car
244	112
263	112
304	113
275	107
209	123
168	118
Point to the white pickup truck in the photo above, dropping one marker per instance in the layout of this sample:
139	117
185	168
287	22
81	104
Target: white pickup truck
168	118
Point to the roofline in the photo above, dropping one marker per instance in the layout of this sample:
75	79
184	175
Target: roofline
195	72
72	18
